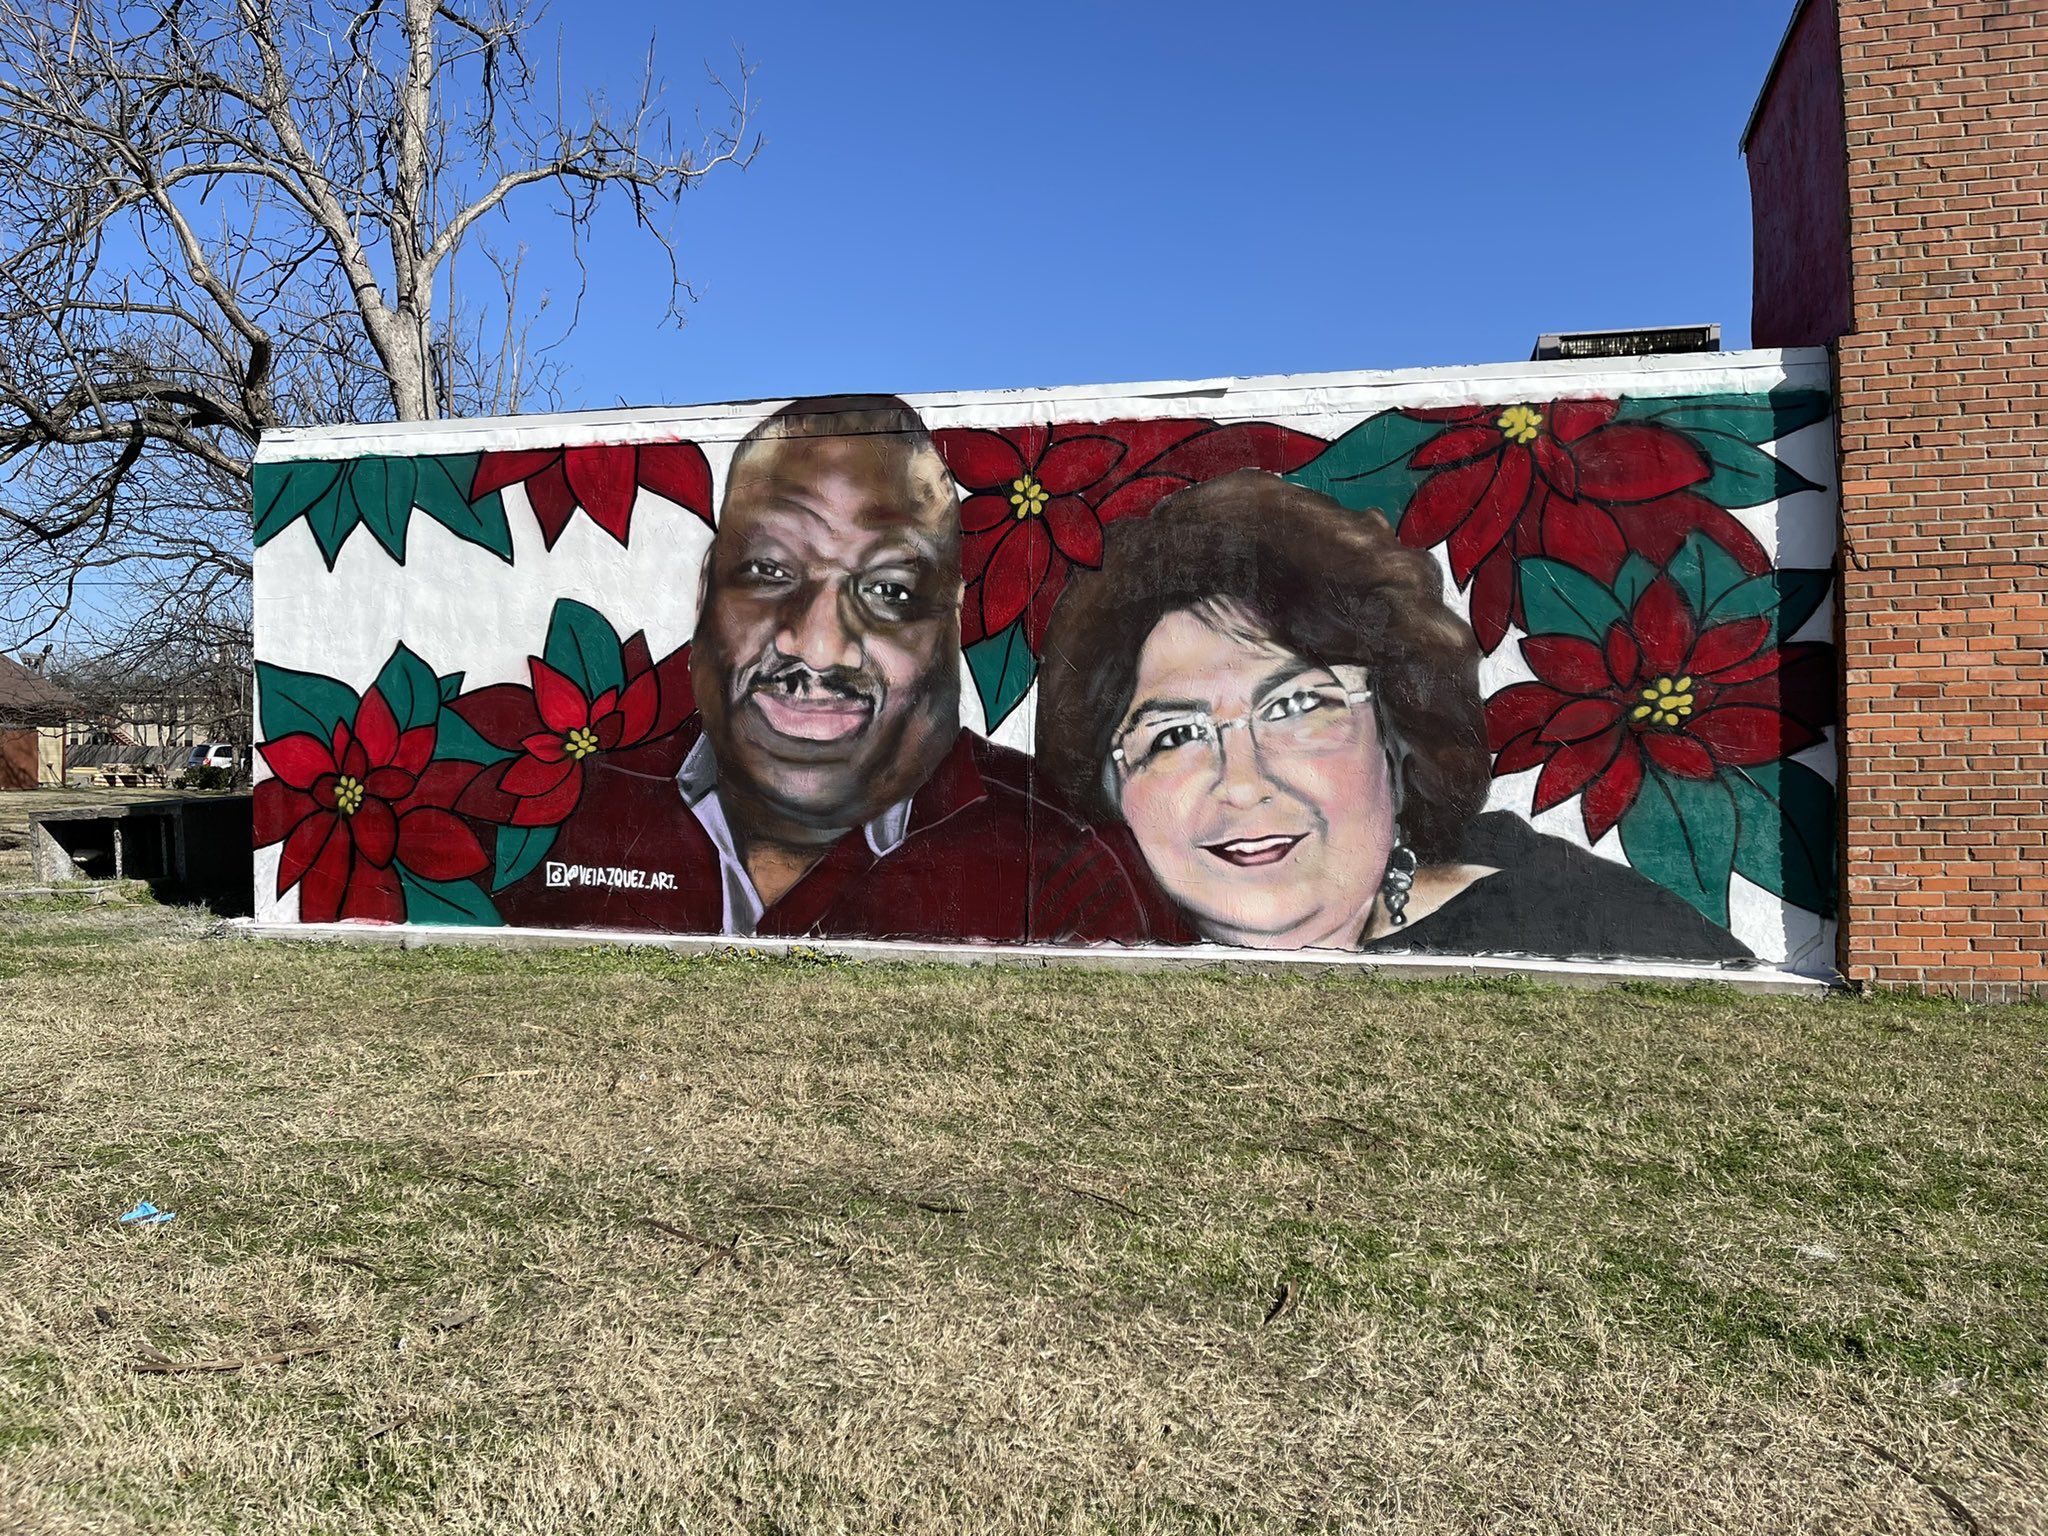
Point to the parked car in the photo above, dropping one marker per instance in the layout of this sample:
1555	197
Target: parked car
214	765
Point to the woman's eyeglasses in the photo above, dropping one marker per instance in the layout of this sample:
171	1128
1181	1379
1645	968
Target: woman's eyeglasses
1312	713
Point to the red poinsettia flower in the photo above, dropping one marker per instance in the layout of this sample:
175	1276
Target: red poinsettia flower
1039	497
1561	479
352	808
602	479
1658	688
1025	522
555	728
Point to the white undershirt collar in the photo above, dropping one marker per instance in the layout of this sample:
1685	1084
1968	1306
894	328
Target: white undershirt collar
697	780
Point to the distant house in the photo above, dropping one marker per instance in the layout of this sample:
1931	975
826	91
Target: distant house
33	714
147	731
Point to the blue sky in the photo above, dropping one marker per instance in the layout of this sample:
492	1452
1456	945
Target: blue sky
968	196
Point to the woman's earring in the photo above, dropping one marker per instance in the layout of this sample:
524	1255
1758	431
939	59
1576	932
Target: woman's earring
1399	880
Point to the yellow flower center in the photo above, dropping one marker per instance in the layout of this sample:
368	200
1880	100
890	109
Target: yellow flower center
348	795
1667	701
1028	497
1520	424
579	743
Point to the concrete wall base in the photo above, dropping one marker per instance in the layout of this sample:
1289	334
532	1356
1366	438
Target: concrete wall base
94	893
1577	973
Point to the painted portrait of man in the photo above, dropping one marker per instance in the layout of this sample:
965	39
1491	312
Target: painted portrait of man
826	786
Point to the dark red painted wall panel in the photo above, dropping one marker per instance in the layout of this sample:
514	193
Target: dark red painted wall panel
18	759
1798	181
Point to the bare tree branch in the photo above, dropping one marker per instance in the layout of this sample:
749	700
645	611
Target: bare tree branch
222	217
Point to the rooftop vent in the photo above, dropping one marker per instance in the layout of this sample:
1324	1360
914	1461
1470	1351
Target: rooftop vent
1643	343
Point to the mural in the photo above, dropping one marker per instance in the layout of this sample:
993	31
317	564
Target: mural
1542	675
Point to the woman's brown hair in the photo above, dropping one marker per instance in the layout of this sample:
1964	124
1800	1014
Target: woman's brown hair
1327	583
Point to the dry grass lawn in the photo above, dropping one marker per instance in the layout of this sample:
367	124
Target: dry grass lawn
619	1242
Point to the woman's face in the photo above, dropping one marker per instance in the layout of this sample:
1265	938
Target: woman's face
1276	843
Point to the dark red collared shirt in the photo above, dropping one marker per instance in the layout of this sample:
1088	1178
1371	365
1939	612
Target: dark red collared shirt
983	859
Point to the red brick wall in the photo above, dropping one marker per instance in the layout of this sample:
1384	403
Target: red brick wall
1944	464
1799	191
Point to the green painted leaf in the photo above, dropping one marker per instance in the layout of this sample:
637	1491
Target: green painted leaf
519	850
1632	579
1755	418
382	491
449	686
583	647
457	738
1745	476
1800	594
443	494
1367	468
291	702
1560	600
332	521
447	903
410	688
1788	598
1003	669
1704	572
1746	600
1785	839
284	493
379	493
1681	834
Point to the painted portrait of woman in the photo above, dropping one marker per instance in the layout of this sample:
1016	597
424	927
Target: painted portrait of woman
1268	693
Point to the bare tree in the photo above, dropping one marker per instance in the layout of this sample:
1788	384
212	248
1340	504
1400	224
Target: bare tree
219	217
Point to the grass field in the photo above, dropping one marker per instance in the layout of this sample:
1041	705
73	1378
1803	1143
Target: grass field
619	1242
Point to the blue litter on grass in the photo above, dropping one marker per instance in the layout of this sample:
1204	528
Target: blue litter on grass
146	1215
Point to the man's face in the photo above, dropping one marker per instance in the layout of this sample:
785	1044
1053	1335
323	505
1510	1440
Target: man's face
827	657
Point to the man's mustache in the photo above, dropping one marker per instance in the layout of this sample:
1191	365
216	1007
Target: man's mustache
779	674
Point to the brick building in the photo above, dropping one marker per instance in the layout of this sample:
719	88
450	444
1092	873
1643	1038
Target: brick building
1898	161
33	715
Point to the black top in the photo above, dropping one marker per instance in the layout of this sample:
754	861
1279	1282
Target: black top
1556	899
